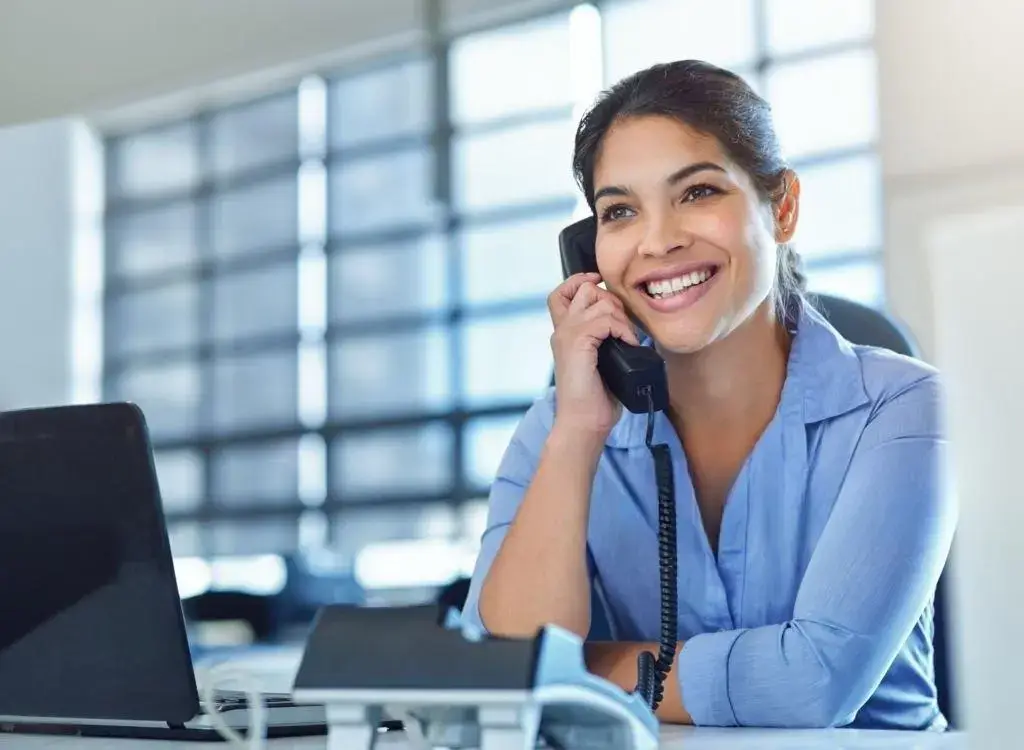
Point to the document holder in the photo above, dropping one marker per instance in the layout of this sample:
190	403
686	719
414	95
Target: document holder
453	689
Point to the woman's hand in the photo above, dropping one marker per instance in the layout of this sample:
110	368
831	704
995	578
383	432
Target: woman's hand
584	315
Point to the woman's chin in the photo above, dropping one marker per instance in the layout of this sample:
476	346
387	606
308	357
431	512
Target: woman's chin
682	338
689	331
685	330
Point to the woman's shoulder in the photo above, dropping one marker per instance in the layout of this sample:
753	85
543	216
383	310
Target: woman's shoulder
900	395
888	375
838	363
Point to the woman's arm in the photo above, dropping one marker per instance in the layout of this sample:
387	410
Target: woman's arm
539	575
532	568
872	573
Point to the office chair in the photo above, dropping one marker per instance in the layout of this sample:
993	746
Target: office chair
867	326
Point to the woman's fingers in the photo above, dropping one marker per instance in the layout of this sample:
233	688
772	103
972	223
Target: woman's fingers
562	297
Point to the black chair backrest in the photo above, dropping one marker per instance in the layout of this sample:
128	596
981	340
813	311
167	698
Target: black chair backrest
867	326
864	325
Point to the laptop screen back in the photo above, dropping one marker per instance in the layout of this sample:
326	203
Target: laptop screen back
91	624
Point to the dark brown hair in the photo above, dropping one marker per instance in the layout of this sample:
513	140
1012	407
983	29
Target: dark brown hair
713	101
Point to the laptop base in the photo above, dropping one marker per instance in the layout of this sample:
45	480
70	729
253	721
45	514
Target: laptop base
284	719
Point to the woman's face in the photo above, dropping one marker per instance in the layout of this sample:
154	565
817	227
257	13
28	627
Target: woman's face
683	237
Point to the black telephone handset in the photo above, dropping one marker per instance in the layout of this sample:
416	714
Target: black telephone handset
636	376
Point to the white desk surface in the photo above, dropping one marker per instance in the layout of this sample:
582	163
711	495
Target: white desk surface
673	738
275	672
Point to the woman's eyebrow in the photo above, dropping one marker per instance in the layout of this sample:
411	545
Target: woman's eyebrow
676	177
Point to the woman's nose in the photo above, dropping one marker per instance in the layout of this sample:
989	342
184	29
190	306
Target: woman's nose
662	235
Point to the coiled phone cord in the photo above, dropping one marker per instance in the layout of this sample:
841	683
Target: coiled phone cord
651	672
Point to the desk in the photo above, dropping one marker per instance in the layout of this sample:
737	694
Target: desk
276	671
673	738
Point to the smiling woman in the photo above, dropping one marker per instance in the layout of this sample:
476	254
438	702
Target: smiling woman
812	524
740	198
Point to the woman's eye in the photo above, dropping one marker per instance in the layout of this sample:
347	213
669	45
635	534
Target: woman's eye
614	213
699	192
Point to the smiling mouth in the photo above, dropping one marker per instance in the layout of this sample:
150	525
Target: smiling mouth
666	288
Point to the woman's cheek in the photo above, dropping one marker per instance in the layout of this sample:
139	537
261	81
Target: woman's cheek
612	263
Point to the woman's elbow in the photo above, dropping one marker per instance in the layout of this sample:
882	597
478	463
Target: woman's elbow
827	700
833	674
827	684
828	710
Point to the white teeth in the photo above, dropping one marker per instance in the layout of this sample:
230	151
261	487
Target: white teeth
668	287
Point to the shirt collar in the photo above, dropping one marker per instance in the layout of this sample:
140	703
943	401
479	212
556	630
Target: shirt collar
823	377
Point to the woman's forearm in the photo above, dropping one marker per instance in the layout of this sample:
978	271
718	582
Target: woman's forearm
539	576
617	661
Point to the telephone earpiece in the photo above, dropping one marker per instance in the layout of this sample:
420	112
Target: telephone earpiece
635	375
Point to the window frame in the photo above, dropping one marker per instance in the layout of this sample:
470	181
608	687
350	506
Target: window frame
445	224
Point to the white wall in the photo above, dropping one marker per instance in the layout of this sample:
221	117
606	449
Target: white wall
952	118
984	411
36	220
952	106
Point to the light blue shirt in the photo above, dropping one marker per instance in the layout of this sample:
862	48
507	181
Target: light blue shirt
818	608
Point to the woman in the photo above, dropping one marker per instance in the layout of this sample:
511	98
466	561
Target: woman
812	527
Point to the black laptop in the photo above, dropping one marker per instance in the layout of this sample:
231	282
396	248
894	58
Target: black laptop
92	636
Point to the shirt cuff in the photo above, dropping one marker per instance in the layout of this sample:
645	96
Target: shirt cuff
470	622
703	666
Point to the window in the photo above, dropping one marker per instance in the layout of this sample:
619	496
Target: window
639	33
330	301
823	105
202	309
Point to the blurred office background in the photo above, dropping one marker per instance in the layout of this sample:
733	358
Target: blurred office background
313	239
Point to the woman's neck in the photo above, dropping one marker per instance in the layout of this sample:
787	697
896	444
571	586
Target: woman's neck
732	382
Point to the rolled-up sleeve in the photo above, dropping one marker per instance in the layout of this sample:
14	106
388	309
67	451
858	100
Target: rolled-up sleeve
513	477
872	573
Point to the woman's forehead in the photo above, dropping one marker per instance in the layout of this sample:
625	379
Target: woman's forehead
641	148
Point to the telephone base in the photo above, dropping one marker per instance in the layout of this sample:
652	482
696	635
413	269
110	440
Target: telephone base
563	717
461	690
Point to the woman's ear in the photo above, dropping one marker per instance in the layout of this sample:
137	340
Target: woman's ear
787	207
